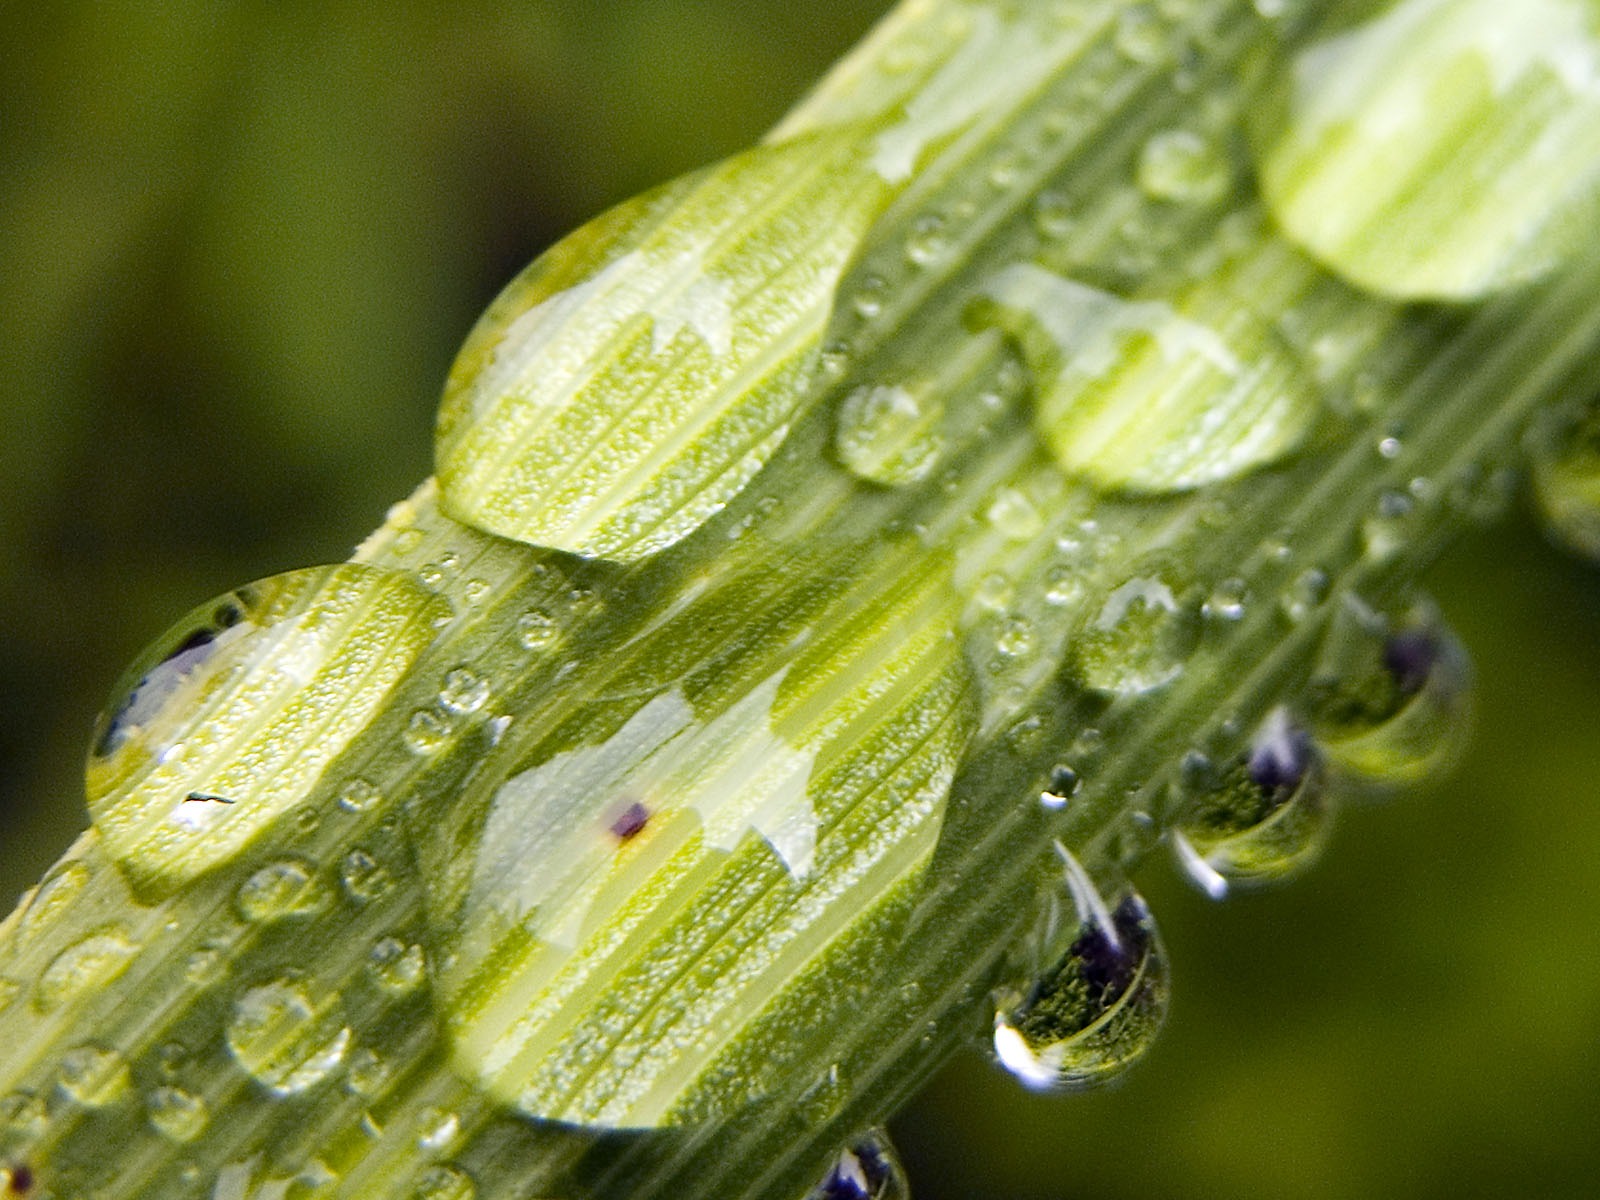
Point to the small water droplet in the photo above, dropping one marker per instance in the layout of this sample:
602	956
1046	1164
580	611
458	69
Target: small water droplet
398	967
1100	998
537	630
474	591
464	691
888	434
359	796
1138	641
283	1041
287	888
929	240
1063	586
364	878
869	296
866	1169
177	1114
83	967
1014	516
1015	637
24	1116
1227	600
995	592
427	732
1305	594
55	892
93	1076
1389	448
1179	165
438	1129
1054	215
407	541
1064	785
444	1183
367	1074
1140	35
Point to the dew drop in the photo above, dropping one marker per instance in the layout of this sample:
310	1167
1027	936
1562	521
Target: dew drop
359	796
1054	215
438	1130
869	296
55	892
866	1169
366	1074
285	1042
474	591
1264	820
427	732
1383	535
444	1183
1014	516
85	966
464	691
1137	642
1305	594
1099	1001
177	1114
287	888
1064	785
929	240
889	434
1179	165
364	878
537	630
1227	600
397	967
93	1076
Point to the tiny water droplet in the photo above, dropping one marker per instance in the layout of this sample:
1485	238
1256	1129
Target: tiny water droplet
1179	165
995	592
464	691
869	296
1099	1000
1389	448
1015	637
359	796
177	1114
444	1183
364	878
366	1074
55	892
866	1169
474	591
398	967
285	1042
407	541
93	1076
287	888
1064	785
83	967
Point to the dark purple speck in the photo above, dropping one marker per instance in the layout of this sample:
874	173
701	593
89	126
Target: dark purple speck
630	821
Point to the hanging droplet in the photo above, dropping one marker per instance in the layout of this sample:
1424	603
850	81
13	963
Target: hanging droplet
1153	395
229	720
1391	701
1566	483
866	1169
283	1041
1445	149
1137	641
1089	1013
1263	821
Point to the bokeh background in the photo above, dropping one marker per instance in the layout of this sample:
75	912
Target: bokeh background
239	243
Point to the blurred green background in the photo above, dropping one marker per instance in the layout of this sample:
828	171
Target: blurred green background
239	243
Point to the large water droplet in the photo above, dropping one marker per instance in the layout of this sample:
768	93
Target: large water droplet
1391	701
1137	641
866	1169
285	1042
890	433
1097	1007
228	720
1264	820
54	894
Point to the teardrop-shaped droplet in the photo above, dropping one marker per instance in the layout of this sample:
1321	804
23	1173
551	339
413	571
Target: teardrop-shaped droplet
866	1169
1153	394
1391	701
1138	640
1566	482
229	720
1098	1006
283	1040
635	378
1445	149
1263	820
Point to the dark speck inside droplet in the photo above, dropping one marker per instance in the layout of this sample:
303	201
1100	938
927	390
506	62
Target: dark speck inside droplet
1105	962
631	821
1410	657
1280	759
859	1174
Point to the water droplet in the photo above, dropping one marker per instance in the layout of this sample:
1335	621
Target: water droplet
1383	534
177	1114
889	434
363	876
1015	637
1305	594
444	1183
1140	35
537	630
474	591
1566	484
427	732
407	541
367	1074
1100	998
438	1130
464	691
1138	640
1014	516
1391	704
1263	820
205	743
869	296
1227	600
398	967
93	1076
283	1041
55	892
24	1116
359	796
866	1169
1054	215
85	966
995	592
1181	166
1064	784
929	240
287	888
